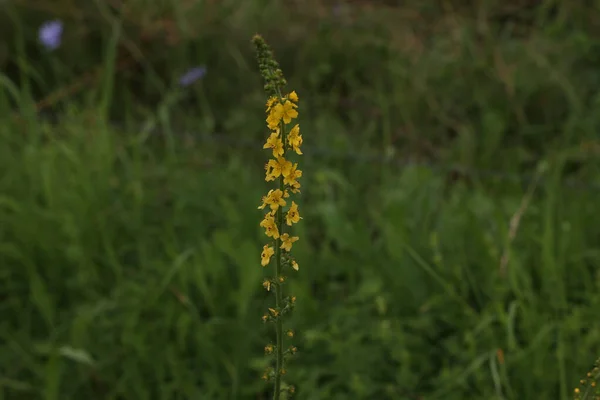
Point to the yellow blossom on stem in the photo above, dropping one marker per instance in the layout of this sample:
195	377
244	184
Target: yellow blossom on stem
274	142
265	256
274	199
282	111
287	241
295	265
292	176
295	139
293	96
276	168
267	284
293	216
295	188
265	200
271	102
270	226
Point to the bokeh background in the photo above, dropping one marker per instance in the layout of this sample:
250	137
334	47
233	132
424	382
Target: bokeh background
450	241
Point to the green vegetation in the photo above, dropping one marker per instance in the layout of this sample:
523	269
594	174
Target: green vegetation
129	237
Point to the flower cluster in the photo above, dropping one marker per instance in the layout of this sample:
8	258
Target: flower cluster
589	387
281	211
281	111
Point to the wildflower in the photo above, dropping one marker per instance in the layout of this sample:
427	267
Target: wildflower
293	216
276	168
287	241
265	200
267	284
270	226
192	76
292	176
274	199
265	256
295	139
271	102
295	187
287	111
273	120
279	112
50	34
274	142
293	96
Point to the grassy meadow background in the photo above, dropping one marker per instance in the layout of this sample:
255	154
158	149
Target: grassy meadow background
451	236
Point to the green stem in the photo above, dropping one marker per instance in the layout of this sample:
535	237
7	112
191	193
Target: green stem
279	290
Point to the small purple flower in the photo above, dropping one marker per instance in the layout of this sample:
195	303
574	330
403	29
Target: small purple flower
192	76
50	34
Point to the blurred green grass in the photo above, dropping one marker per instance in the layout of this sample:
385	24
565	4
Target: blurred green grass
129	251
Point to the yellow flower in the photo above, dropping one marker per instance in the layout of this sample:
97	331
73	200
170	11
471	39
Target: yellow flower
265	256
265	200
273	120
295	139
274	312
287	241
295	188
264	318
289	112
275	168
293	96
286	111
275	143
267	284
296	267
279	111
270	226
274	199
269	348
290	333
293	216
292	175
271	102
